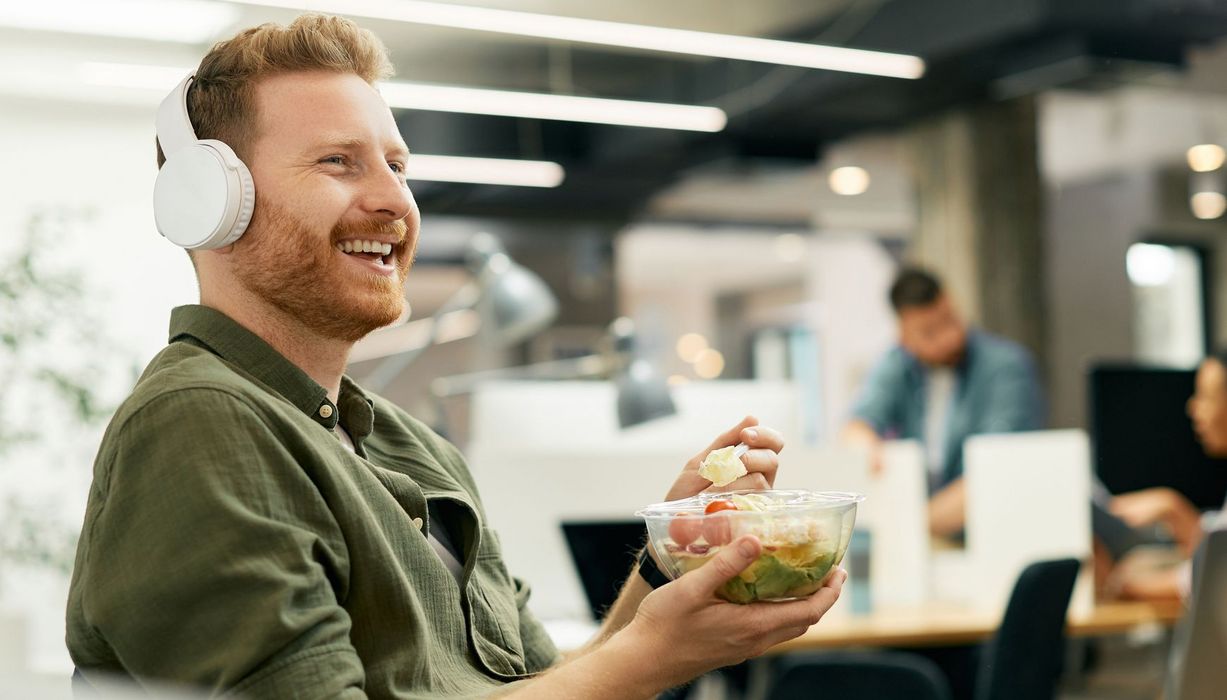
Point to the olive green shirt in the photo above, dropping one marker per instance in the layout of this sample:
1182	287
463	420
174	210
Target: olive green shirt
232	542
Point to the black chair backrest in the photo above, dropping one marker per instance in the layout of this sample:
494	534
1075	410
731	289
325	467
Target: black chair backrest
885	675
1024	659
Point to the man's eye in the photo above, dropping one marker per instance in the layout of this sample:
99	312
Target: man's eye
334	160
397	167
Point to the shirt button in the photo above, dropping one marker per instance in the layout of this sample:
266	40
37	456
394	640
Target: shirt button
325	411
417	522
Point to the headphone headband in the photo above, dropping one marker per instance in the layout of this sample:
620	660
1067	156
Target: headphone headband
173	125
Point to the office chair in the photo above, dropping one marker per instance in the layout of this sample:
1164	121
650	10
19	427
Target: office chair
884	675
1023	660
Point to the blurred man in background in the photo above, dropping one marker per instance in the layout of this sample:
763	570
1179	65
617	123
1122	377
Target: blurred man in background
940	385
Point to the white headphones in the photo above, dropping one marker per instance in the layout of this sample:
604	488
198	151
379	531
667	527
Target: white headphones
204	195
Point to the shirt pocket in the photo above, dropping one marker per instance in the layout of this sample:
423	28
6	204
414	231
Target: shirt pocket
494	613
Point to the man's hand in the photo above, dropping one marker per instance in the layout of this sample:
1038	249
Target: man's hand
689	631
761	460
948	509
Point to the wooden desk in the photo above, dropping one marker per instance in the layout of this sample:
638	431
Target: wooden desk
939	625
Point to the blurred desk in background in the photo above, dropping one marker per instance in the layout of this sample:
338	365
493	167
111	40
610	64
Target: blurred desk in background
939	624
947	624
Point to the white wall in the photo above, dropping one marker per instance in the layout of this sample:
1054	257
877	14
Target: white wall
97	161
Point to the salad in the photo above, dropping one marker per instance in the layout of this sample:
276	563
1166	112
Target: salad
804	535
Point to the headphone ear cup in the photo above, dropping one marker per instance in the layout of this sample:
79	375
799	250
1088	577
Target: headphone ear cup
203	197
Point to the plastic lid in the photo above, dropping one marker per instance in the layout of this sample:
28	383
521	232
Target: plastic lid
782	501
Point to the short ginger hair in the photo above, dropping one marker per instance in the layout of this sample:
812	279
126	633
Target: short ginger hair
221	98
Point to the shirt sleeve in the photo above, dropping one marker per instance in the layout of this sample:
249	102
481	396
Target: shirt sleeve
1015	403
214	560
879	401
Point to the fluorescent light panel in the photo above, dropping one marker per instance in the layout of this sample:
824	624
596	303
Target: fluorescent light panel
447	98
594	110
183	21
634	36
488	171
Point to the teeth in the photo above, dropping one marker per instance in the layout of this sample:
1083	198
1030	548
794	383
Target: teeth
364	247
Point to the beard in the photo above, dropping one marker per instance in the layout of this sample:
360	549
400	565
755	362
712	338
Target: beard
306	278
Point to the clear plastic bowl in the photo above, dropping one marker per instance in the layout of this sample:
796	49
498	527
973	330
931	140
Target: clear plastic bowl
804	536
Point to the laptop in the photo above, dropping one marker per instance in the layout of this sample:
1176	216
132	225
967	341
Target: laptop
604	553
1197	670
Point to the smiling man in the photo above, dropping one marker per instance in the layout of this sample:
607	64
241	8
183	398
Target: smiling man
258	525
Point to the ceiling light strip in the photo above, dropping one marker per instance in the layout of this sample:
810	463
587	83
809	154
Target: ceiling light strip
594	110
635	36
488	171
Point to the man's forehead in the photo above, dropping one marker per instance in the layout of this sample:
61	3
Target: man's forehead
325	108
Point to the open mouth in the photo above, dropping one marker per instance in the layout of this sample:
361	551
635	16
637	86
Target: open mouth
373	252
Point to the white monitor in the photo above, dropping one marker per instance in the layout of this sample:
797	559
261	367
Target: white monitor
1028	499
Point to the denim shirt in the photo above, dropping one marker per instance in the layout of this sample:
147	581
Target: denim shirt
997	391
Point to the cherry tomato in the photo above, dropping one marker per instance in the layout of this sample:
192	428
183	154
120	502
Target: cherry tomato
719	505
718	528
685	528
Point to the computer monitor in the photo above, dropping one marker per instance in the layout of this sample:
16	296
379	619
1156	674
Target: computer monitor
1142	437
1197	671
604	553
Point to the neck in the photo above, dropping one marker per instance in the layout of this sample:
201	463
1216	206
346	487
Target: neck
323	359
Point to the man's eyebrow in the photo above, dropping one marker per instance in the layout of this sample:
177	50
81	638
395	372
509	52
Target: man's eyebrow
355	143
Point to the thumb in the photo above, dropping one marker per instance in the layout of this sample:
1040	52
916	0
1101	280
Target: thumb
728	562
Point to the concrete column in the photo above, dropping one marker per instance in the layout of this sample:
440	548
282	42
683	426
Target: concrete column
980	215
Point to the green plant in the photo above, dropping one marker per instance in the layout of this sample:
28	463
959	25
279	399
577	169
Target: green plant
56	363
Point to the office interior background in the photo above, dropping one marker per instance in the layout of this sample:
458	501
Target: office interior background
1060	164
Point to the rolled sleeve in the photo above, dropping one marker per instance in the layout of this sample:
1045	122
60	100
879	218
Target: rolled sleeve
213	560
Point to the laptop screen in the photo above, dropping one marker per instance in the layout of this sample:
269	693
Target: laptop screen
604	553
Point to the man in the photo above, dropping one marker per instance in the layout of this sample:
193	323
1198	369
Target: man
940	385
260	526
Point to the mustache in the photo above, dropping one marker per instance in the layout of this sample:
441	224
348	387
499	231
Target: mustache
371	227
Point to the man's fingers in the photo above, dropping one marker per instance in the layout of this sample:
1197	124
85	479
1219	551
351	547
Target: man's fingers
809	611
753	481
728	562
761	437
732	436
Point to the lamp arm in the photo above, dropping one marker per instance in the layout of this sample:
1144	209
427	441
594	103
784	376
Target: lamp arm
594	365
392	365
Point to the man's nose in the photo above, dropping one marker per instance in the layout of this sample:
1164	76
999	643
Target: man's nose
387	195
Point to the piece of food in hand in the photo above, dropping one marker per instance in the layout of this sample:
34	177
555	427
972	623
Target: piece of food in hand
722	467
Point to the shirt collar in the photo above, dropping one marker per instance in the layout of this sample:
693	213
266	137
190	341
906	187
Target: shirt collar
226	338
